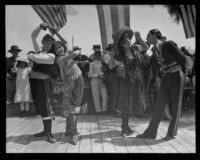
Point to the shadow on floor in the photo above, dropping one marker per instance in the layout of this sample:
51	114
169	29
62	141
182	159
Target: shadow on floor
116	139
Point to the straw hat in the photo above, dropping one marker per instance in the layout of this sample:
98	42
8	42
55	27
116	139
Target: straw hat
23	59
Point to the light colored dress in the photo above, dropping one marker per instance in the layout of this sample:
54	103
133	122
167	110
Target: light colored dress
73	87
23	92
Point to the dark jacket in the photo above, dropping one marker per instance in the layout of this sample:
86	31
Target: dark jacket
171	53
9	65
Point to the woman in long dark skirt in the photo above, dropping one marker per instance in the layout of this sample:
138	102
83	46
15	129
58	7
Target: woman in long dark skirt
130	93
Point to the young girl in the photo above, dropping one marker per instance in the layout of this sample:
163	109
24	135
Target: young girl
23	93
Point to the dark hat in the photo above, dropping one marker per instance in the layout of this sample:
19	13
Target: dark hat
48	37
117	35
96	46
14	48
110	46
76	48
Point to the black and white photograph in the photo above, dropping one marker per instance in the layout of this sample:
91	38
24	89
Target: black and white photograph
100	78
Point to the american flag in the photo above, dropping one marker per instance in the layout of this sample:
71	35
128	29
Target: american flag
54	15
188	17
111	19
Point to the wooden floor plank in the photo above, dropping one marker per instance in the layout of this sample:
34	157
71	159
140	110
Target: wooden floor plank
95	135
108	146
85	138
179	139
12	123
157	145
120	143
17	140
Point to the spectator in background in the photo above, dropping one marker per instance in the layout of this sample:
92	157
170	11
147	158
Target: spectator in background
23	91
97	82
110	80
82	62
10	75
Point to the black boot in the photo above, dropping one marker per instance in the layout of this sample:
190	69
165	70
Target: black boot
41	134
123	126
68	131
129	131
48	126
22	114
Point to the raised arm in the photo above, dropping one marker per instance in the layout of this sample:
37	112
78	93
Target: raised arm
54	30
143	43
66	58
35	33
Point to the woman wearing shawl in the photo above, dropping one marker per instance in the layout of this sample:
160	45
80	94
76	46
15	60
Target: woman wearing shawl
126	62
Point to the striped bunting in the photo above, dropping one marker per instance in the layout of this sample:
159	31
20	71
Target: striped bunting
53	15
111	19
188	17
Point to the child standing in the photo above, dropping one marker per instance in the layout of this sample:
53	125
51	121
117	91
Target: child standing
23	93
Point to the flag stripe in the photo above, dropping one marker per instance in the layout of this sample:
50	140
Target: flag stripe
53	15
108	24
187	20
50	13
58	15
111	19
42	15
191	19
114	16
127	15
102	26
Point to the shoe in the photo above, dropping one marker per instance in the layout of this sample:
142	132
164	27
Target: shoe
123	133
50	138
129	131
9	101
27	113
145	136
103	113
117	114
75	139
98	113
41	134
22	114
167	138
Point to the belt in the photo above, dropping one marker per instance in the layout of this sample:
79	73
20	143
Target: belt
173	69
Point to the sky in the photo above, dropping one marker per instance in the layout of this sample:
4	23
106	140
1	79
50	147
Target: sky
21	20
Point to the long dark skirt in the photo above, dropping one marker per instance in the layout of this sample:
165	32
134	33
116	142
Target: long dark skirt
128	97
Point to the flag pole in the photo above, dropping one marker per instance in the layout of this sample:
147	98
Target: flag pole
72	42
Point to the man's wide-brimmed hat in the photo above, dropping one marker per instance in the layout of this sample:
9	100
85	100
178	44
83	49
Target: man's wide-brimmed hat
14	48
96	46
110	46
76	48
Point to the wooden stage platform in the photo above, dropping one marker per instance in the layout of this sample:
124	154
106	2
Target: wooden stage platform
98	134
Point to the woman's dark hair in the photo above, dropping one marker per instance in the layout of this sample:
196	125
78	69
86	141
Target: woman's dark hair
157	33
48	37
62	44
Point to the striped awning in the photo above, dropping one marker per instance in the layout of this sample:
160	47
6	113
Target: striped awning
53	15
188	17
111	19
